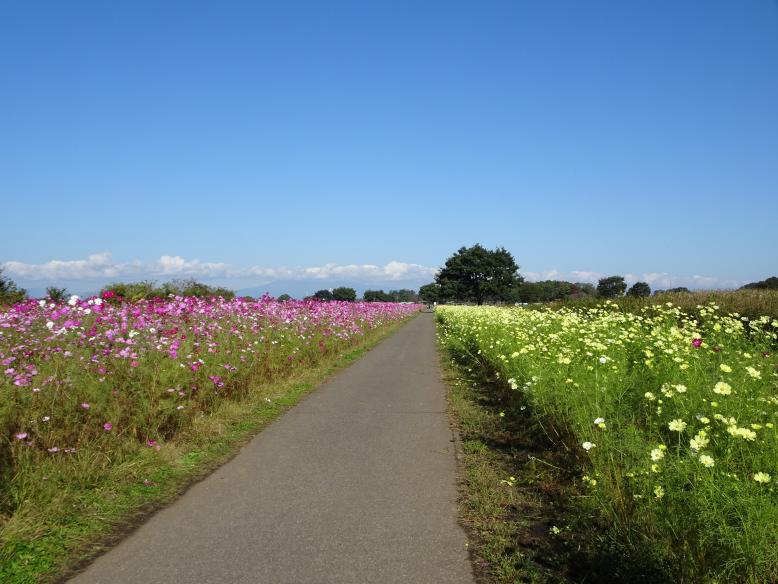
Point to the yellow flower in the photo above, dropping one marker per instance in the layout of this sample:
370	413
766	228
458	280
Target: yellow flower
700	441
754	373
657	454
762	477
722	388
659	492
677	425
706	461
725	368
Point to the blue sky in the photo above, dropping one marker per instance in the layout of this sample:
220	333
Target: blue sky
244	142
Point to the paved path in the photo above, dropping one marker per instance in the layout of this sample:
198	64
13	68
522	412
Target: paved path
354	484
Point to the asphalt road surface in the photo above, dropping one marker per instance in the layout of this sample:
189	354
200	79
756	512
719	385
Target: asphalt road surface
355	484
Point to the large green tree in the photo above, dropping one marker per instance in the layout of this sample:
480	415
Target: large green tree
639	289
344	293
322	295
611	287
430	293
476	274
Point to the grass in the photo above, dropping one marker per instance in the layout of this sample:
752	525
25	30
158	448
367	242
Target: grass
82	508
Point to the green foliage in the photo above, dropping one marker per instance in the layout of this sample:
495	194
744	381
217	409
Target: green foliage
403	295
430	293
10	293
284	298
582	290
544	291
56	294
376	296
325	295
476	274
639	289
770	283
678	290
611	287
344	294
147	289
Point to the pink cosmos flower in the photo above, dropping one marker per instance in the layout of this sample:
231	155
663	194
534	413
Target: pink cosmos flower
85	406
696	343
107	426
20	435
151	442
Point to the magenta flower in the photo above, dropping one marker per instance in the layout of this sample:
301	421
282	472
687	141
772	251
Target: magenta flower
151	442
696	343
107	426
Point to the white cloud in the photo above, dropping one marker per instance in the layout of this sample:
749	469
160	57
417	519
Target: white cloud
178	266
97	265
102	266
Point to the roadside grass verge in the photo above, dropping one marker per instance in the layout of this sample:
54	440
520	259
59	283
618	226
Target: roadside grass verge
81	509
526	516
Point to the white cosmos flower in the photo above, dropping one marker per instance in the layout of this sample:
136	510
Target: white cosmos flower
588	445
73	300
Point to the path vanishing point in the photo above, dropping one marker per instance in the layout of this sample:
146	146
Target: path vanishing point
355	484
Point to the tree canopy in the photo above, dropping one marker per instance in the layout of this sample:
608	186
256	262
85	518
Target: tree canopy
611	287
477	274
639	289
376	296
343	293
322	295
430	293
770	283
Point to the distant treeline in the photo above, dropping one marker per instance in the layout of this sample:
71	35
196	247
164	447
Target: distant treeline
350	295
148	289
440	291
769	284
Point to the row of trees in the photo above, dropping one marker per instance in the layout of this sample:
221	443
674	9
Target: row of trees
350	294
476	274
10	293
148	290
